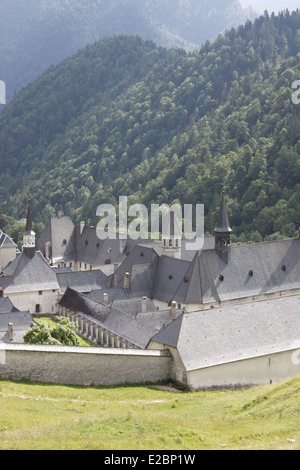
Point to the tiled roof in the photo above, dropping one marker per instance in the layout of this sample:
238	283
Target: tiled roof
29	274
232	333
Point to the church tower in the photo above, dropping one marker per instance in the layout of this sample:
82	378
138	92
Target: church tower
171	236
223	230
29	236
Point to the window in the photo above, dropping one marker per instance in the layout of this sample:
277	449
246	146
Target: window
40	292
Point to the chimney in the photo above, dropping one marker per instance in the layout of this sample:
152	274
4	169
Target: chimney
48	250
105	298
123	243
115	281
126	281
173	309
11	331
144	304
60	214
115	267
82	225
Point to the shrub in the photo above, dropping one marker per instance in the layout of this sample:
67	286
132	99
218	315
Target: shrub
63	333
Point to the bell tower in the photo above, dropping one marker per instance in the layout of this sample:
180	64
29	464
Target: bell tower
171	236
28	243
223	230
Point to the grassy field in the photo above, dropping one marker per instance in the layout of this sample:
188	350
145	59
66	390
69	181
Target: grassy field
40	417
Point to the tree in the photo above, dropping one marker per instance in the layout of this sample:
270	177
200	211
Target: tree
63	333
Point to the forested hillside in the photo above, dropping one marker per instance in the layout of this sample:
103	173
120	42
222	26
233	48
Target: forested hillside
35	34
124	117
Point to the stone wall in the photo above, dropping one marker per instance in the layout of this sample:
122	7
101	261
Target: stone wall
82	365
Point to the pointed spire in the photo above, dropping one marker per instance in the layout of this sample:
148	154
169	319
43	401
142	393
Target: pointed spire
171	235
223	230
29	220
223	222
29	236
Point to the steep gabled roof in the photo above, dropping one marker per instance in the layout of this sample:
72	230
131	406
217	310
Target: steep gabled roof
6	305
140	264
5	241
29	274
190	290
168	276
257	269
170	334
59	231
223	222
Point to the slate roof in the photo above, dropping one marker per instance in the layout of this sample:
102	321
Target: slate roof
112	293
6	305
59	231
223	223
67	244
141	265
28	274
90	249
5	241
82	281
262	268
22	321
115	321
168	276
233	333
251	270
189	289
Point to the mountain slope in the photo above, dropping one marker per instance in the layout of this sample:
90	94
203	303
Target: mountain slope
123	117
197	20
38	33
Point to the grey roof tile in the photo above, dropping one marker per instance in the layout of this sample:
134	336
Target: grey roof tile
82	281
119	323
29	274
232	333
168	276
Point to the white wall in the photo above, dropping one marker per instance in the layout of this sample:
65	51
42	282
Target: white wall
256	371
27	301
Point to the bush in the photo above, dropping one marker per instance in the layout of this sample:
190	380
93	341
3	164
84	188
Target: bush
63	333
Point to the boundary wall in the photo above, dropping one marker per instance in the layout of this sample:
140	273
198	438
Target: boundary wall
83	366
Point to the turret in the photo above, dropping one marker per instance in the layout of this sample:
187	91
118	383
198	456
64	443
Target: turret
29	236
171	236
223	230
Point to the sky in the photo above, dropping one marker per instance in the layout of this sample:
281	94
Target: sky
271	5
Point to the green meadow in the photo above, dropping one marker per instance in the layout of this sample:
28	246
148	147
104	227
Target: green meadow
51	417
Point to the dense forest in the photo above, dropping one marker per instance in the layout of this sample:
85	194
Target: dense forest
125	117
35	34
